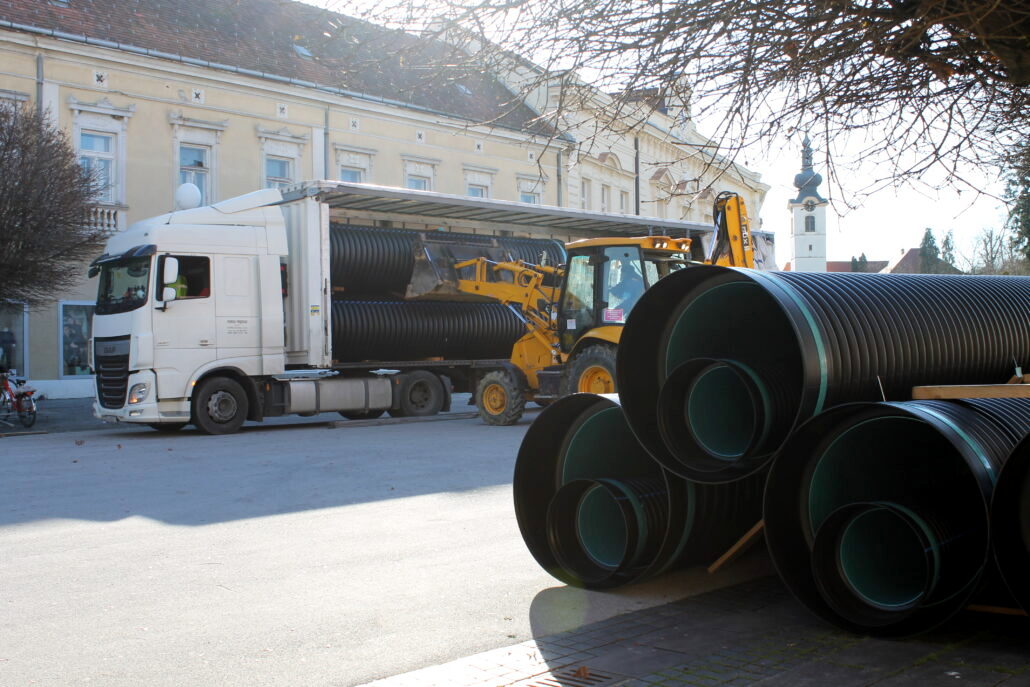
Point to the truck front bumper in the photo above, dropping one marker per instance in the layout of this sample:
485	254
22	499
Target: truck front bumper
149	410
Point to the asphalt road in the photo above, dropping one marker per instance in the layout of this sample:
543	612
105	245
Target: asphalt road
294	554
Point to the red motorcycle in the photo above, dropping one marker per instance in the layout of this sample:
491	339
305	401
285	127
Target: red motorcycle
16	399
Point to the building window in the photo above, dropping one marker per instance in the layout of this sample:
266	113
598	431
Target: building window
99	132
809	223
527	197
278	172
354	163
624	202
76	330
97	155
351	174
584	194
281	155
418	183
606	198
477	191
13	337
194	168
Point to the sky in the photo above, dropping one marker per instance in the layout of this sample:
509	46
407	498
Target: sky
886	222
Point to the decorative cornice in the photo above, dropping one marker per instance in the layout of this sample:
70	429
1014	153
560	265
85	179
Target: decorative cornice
176	118
102	107
283	134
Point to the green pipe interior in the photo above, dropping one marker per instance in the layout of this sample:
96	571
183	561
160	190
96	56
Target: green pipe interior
601	527
720	413
883	559
603	446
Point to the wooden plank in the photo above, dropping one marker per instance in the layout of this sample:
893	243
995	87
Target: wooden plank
997	610
742	545
971	391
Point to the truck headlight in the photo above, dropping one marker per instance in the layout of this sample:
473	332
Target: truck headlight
138	393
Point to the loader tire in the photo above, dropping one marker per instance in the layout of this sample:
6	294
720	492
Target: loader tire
500	398
591	370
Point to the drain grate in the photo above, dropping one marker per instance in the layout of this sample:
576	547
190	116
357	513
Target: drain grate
571	677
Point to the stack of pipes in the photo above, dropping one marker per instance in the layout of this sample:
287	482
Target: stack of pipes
882	515
371	269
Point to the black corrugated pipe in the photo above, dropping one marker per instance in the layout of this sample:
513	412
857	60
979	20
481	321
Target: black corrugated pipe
596	511
876	514
398	330
374	261
1010	523
750	354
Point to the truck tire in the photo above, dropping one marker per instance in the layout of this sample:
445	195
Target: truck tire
219	406
591	370
500	398
362	414
167	426
421	393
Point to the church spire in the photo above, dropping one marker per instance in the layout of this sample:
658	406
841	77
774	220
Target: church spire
807	182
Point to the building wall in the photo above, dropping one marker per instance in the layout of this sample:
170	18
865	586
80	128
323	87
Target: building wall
151	106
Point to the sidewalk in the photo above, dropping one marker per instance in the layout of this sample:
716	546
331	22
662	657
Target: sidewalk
754	633
76	415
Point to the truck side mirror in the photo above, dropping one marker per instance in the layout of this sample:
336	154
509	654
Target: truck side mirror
168	294
171	271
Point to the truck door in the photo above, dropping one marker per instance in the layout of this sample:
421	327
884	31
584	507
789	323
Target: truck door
237	311
184	330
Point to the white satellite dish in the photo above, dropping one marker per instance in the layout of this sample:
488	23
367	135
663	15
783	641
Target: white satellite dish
187	197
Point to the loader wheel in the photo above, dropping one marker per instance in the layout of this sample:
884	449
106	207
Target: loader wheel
219	406
592	370
421	393
499	398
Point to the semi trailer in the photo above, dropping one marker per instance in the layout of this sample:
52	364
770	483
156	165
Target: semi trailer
279	302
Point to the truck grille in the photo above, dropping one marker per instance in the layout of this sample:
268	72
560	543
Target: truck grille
112	371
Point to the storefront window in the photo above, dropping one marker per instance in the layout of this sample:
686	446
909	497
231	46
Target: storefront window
77	322
12	337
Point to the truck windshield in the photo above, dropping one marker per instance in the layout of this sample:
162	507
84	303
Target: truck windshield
123	285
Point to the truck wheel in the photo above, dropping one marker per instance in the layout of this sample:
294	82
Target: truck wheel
499	398
167	426
361	414
219	406
592	370
421	393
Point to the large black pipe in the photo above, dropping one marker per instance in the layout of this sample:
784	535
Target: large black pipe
596	511
876	514
374	329
1010	523
377	261
789	345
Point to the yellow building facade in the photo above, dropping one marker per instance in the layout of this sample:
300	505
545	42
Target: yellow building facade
150	122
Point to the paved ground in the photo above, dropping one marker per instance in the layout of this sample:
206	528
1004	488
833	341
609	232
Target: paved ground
320	552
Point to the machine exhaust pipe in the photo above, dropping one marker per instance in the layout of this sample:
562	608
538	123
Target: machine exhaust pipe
788	345
876	513
596	511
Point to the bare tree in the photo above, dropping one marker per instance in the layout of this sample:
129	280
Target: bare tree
924	89
45	198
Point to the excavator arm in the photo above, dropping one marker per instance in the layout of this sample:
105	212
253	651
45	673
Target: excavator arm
733	244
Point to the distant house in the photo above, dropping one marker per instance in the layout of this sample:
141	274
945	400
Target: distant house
910	262
845	265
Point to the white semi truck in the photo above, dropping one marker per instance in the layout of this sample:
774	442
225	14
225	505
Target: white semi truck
215	315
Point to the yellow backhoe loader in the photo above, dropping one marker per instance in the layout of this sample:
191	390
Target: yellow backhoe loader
573	313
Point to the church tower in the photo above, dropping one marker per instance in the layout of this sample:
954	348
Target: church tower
808	218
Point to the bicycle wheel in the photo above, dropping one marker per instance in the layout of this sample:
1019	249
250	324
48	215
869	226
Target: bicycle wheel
26	411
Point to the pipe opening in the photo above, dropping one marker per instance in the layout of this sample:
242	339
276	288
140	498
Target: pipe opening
601	527
883	558
604	446
907	463
723	413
